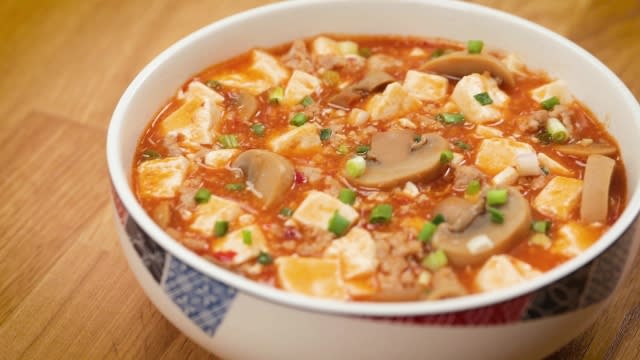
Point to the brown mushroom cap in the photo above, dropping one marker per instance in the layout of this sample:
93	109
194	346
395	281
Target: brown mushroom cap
271	174
372	81
461	63
396	163
595	190
584	151
517	220
247	106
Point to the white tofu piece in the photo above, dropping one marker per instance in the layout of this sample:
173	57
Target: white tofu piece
426	87
318	208
302	138
357	117
194	120
506	177
488	132
323	45
514	64
161	178
356	251
556	88
406	123
471	85
496	154
216	209
574	238
502	271
219	158
196	89
264	73
243	250
417	52
395	101
553	166
559	198
300	85
410	189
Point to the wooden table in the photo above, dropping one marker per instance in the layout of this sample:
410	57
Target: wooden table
65	289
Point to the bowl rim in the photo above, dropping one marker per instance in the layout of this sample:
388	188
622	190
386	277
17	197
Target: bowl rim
123	190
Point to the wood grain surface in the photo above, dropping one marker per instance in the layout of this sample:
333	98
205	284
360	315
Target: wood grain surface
65	289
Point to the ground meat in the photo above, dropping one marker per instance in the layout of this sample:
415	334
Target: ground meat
313	242
464	175
329	61
298	57
564	114
399	255
533	122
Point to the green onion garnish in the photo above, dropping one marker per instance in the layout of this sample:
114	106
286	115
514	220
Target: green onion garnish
475	46
276	95
325	134
220	228
446	156
338	224
557	130
258	129
495	215
474	187
264	258
450	118
306	101
462	145
286	212
347	196
362	149
235	186
202	196
150	154
228	141
550	103
541	226
417	138
428	229
356	166
246	237
214	84
497	197
342	149
364	52
483	98
381	214
299	119
437	53
435	260
545	170
438	219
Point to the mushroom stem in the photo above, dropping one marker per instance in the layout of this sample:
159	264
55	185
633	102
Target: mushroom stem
595	191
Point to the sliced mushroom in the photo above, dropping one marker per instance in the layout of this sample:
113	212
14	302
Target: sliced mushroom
595	190
586	150
459	212
270	173
459	64
482	237
445	284
394	165
246	105
371	82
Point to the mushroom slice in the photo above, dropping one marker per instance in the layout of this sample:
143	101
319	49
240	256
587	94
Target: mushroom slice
595	191
459	64
459	212
371	82
482	237
246	105
271	174
586	150
393	165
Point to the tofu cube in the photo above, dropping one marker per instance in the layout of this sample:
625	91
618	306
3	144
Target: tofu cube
300	85
196	89
496	154
488	132
161	178
356	251
574	238
236	242
426	87
219	158
193	120
559	198
556	88
395	101
318	208
269	68
322	45
357	117
216	209
474	84
298	139
311	276
502	271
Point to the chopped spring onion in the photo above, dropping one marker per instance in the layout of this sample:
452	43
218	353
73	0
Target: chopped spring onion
150	155
299	119
437	53
258	129
228	141
202	196
438	219
497	197
342	149
286	211
325	134
475	46
541	226
495	215
557	130
446	156
276	95
235	186
474	187
483	98
381	214
365	52
450	118
264	258
220	228
338	224
417	138
428	229
362	149
331	78
462	145
550	103
246	237
541	240
214	84
356	166
306	101
435	260
347	196
348	47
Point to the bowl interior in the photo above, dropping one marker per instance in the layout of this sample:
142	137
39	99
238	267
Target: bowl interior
589	80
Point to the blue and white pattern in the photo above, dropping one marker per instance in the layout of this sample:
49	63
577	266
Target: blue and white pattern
204	300
152	255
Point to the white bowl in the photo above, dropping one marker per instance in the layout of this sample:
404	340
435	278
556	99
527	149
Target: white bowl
237	318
